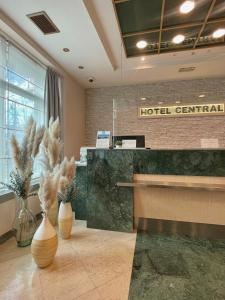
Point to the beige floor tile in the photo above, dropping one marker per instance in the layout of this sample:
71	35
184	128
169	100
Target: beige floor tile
11	250
103	265
91	258
91	295
116	289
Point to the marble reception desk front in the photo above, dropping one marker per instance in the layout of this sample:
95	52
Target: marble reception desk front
111	207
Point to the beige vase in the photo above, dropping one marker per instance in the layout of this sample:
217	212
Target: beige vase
65	220
53	213
44	244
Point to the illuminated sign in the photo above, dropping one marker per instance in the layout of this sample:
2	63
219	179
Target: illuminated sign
181	110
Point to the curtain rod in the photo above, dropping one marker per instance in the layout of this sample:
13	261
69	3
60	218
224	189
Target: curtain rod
22	49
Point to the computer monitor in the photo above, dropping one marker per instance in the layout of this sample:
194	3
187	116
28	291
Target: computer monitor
140	139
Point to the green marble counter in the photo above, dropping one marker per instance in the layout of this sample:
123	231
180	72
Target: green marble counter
110	207
79	202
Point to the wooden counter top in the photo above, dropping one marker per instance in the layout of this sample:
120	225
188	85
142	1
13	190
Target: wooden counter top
177	181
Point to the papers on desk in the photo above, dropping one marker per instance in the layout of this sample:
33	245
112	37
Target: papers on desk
103	139
129	144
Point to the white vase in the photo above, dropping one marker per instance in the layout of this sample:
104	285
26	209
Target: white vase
65	219
53	213
44	244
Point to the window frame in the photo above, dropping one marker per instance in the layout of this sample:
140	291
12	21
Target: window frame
5	194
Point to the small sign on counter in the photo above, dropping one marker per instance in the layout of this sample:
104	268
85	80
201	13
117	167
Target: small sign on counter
129	143
103	139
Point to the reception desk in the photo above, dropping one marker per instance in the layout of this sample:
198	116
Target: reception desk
114	199
80	198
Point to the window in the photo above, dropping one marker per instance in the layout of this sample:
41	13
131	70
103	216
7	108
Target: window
21	95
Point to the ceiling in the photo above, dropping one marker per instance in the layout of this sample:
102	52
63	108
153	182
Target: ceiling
158	21
89	28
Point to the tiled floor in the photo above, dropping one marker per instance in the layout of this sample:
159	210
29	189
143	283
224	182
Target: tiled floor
92	265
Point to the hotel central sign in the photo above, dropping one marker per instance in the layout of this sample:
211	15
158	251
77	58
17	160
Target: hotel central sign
181	111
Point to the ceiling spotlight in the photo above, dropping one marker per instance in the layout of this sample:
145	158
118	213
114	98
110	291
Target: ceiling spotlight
178	39
218	33
141	44
142	58
143	98
187	7
66	49
201	96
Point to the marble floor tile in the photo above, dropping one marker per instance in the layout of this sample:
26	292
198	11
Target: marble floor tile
91	295
116	289
86	266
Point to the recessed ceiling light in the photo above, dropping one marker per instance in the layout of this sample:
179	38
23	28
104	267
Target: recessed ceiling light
201	96
81	67
141	44
177	102
66	49
142	58
143	98
178	39
218	33
187	7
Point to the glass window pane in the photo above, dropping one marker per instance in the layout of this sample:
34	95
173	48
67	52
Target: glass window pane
21	96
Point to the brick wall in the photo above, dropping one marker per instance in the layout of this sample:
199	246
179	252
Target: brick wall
167	132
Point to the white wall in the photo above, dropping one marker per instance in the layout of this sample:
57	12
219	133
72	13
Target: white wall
74	118
73	110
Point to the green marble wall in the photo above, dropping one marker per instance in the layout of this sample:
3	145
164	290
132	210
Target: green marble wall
111	208
79	202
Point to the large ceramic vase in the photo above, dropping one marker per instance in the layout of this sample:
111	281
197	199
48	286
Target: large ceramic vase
53	213
24	225
65	220
44	244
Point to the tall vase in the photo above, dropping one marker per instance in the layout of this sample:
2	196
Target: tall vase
25	224
44	244
65	219
53	213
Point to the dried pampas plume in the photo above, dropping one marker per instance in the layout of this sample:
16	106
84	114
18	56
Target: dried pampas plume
68	168
67	172
16	151
53	152
48	190
23	158
51	145
37	140
24	154
63	184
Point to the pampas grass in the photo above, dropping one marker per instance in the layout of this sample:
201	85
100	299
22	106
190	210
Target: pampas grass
23	158
51	153
67	168
37	141
67	171
51	146
48	190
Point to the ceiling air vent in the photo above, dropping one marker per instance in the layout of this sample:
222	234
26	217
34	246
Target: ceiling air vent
188	69
43	22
